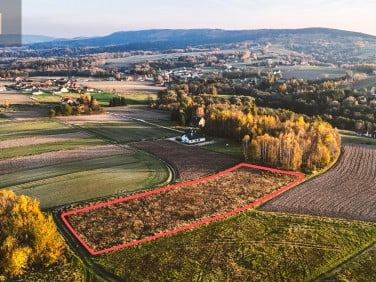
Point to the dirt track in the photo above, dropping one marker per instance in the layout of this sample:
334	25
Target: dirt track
51	158
190	162
347	191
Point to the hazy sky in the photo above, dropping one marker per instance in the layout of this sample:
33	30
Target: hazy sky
71	18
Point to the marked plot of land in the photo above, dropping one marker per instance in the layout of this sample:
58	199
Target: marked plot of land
157	213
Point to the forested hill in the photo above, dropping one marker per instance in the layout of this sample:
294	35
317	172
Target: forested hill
181	38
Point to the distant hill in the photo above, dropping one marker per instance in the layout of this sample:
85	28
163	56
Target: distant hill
30	39
181	38
322	44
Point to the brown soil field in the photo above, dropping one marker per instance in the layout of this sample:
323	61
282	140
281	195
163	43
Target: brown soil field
137	112
42	139
27	114
189	162
348	190
15	98
51	158
145	216
125	87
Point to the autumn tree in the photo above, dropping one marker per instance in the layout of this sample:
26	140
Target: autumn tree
245	143
28	239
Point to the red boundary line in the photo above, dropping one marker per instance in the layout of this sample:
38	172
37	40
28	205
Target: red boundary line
300	177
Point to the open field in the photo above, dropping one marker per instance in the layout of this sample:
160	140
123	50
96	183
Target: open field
58	157
42	139
30	150
359	268
350	137
365	83
13	127
57	164
15	98
226	146
83	180
128	131
137	218
345	191
250	246
312	72
42	132
125	87
189	162
140	113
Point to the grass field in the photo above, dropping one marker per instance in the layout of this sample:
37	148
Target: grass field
27	134
14	127
140	99
360	268
351	138
233	149
312	72
251	246
50	147
125	87
128	131
66	183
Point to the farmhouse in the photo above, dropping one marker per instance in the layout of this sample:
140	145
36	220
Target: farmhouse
192	136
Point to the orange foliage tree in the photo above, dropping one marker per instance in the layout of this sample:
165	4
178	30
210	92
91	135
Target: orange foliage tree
28	239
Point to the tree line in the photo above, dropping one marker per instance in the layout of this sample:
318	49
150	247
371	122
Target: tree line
279	138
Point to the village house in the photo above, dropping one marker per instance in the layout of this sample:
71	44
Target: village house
192	136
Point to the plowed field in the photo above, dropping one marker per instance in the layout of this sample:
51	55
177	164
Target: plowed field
348	190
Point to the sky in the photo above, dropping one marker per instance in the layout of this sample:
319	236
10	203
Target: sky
74	18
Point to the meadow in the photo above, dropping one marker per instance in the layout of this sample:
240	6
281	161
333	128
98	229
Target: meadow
71	169
128	131
250	246
77	181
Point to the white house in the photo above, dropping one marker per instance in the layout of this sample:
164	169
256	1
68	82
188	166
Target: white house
192	137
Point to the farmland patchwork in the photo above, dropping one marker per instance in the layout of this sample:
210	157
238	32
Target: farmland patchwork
128	221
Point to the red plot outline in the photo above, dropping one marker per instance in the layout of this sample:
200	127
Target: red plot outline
300	177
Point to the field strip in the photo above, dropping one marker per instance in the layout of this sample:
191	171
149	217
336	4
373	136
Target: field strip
51	158
194	244
146	216
145	122
42	139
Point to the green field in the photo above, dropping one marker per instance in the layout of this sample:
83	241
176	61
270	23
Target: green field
140	99
66	183
359	268
128	131
103	98
16	126
250	246
42	132
50	147
220	146
350	137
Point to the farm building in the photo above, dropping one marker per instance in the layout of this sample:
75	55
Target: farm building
192	136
